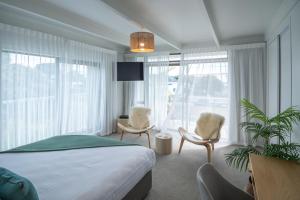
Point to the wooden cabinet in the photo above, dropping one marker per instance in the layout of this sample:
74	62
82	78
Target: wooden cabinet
275	179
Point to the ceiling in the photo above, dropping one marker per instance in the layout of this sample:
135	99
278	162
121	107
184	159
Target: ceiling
243	18
177	24
175	20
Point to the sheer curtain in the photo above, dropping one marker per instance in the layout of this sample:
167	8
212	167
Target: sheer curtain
202	87
247	80
156	88
133	90
52	86
86	90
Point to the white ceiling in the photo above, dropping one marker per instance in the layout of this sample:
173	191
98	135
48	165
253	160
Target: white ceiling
176	23
183	21
242	18
100	13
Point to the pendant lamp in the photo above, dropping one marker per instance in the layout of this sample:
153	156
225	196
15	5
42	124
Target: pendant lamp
141	42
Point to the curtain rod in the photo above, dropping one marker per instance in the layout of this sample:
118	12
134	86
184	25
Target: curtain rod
199	50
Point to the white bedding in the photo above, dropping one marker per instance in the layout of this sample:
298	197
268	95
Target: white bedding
107	173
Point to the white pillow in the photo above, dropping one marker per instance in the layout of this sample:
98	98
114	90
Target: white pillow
139	117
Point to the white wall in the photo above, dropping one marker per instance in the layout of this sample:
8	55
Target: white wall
284	64
272	77
295	46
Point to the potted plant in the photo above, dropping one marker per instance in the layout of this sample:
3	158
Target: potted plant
259	125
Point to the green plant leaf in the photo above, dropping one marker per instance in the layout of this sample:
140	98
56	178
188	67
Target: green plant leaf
252	112
239	158
259	125
286	151
286	119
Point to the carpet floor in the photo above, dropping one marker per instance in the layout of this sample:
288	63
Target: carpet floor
174	175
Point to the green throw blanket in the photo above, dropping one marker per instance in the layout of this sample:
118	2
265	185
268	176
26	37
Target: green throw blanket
15	187
67	142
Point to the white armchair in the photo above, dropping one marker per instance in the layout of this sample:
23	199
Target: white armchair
207	132
138	123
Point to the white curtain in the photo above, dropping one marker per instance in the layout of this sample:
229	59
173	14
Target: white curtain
202	87
52	86
247	80
156	88
208	82
133	90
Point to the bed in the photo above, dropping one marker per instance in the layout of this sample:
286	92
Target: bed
101	173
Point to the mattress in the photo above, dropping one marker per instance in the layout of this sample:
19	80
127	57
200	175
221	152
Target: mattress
106	173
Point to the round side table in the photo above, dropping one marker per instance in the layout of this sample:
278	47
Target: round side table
163	143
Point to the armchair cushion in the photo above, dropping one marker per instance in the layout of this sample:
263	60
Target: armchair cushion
139	117
130	129
208	125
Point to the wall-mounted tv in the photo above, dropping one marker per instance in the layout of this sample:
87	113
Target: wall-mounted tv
130	71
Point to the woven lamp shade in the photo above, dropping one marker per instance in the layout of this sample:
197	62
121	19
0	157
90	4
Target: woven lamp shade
141	42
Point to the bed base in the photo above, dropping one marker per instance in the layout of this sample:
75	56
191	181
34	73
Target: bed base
141	189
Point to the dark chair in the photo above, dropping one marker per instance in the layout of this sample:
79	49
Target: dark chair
213	186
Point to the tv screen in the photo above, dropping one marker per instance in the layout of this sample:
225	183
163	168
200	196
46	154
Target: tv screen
130	71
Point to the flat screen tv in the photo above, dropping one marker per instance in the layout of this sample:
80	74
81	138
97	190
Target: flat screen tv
130	71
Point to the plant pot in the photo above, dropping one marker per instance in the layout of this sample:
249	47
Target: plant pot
249	187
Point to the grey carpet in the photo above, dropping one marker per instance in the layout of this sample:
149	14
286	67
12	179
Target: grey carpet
174	176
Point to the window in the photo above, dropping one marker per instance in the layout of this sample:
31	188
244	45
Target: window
199	85
182	86
51	85
28	94
74	86
43	97
173	76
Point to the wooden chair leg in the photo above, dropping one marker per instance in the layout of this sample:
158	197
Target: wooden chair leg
181	144
122	135
148	134
208	148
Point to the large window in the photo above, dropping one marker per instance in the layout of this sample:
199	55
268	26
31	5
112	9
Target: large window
28	95
196	83
51	85
42	96
203	88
